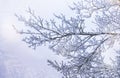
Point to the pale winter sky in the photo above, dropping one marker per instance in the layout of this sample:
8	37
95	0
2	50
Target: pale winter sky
18	51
